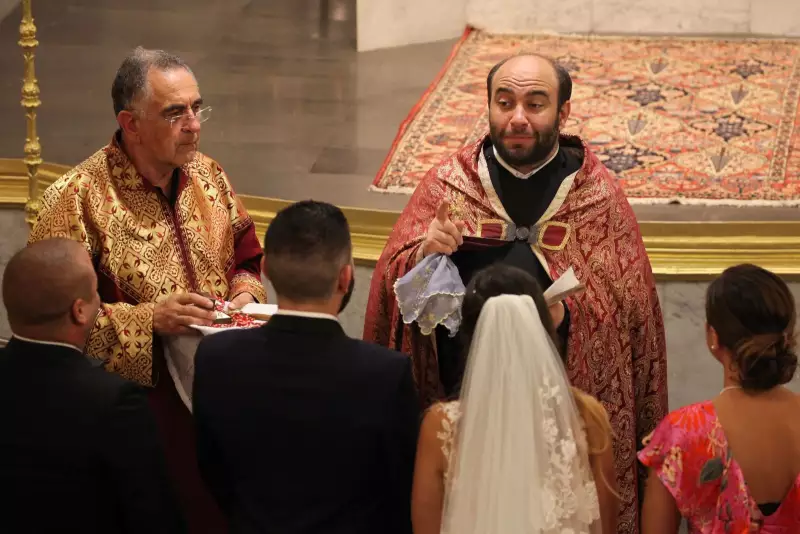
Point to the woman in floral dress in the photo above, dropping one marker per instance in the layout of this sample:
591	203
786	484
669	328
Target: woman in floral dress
730	465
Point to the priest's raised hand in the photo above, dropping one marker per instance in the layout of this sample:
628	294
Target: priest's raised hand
444	235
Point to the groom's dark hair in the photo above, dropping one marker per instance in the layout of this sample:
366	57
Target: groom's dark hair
305	247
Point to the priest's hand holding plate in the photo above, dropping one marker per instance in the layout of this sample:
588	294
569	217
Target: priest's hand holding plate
174	315
444	235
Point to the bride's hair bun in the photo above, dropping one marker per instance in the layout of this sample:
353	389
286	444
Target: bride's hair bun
753	313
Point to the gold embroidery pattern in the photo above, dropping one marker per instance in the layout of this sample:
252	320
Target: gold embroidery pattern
247	283
129	230
207	218
616	341
489	192
122	336
503	225
543	229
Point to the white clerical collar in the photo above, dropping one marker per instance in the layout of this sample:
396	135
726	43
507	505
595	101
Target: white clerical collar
514	172
40	342
308	315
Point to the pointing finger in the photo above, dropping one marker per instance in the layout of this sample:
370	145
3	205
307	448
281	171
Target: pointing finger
442	211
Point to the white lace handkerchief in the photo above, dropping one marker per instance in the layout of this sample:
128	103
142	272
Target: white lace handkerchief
431	294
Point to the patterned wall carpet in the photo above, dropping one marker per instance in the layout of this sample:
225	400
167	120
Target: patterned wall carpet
699	121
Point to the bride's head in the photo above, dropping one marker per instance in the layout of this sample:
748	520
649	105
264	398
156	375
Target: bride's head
495	280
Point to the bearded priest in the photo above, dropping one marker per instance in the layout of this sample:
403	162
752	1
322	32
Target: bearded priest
551	205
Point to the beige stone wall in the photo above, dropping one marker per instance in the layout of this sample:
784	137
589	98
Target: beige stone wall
389	23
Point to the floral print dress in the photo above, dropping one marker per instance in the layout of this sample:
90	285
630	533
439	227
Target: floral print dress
689	453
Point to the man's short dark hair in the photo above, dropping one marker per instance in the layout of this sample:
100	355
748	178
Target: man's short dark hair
305	247
562	74
130	82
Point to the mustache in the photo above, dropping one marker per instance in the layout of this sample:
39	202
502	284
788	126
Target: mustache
521	133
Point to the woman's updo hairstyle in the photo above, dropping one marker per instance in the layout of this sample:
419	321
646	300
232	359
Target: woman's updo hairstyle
753	313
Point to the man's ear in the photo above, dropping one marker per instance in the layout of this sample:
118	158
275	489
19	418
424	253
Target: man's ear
128	123
346	273
563	113
79	312
264	266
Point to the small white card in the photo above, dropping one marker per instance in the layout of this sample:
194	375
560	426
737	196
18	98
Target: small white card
566	286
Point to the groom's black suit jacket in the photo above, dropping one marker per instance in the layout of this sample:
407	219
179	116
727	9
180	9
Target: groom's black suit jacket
302	429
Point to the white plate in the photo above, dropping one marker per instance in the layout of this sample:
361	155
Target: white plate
261	309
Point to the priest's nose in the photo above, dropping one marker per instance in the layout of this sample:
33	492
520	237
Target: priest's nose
518	120
192	125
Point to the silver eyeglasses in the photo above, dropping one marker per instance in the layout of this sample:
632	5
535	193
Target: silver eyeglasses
202	115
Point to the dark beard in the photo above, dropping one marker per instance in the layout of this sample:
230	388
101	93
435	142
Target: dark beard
542	147
346	297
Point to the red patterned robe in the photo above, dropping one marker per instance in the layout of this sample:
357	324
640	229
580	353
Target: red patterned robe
616	345
145	248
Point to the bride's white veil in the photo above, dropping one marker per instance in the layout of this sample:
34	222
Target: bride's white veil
520	464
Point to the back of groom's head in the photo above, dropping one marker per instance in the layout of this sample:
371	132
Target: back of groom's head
305	249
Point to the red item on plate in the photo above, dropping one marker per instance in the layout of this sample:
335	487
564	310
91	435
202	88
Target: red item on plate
238	319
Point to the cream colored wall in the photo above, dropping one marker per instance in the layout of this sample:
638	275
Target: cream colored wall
775	17
389	23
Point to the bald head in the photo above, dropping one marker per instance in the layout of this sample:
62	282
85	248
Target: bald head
530	66
46	282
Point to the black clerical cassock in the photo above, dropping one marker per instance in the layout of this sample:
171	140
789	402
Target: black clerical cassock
525	199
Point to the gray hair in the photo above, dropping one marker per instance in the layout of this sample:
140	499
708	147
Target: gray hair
130	83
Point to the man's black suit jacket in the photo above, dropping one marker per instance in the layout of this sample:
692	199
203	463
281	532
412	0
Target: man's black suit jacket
302	429
78	448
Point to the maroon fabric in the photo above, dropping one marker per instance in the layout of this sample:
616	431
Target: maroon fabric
616	345
481	243
176	428
554	236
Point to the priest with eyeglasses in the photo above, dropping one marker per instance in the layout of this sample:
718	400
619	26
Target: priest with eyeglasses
168	237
